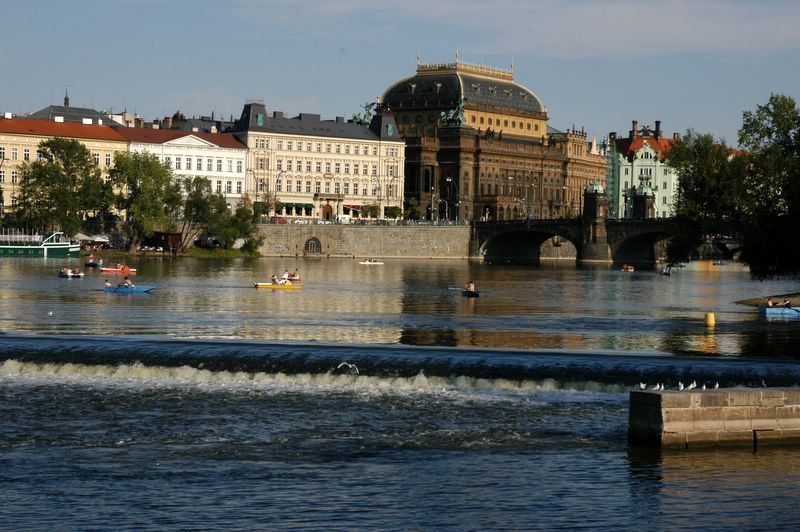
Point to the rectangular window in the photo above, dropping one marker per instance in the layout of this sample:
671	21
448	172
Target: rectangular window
228	187
288	185
364	168
279	186
347	149
374	169
337	189
338	148
219	165
355	169
375	150
14	154
230	165
328	147
308	146
316	187
14	177
219	187
289	145
95	156
355	149
2	153
299	146
664	200
2	177
108	159
289	165
26	156
280	144
327	187
364	189
168	161
347	168
178	163
308	186
319	147
337	167
238	187
239	167
327	167
188	163
209	165
308	166
299	185
279	164
318	165
199	164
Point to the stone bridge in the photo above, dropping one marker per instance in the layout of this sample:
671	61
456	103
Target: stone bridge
596	241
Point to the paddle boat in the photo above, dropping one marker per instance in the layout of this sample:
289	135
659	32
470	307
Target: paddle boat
129	289
371	262
68	273
273	286
627	268
124	270
778	312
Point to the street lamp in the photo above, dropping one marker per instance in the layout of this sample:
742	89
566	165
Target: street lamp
450	195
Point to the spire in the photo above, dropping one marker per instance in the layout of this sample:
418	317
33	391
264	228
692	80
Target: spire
66	96
418	57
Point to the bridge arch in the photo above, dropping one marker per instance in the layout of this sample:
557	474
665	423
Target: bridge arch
521	241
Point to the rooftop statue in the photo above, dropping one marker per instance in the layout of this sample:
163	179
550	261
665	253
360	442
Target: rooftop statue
455	116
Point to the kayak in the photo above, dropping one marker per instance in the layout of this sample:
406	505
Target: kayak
135	289
272	286
124	270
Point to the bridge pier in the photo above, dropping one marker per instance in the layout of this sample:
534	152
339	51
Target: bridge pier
594	253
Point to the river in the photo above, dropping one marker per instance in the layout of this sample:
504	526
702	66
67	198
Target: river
376	397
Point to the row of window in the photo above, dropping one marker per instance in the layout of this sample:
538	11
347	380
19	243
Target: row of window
228	186
335	168
14	176
299	145
189	163
338	187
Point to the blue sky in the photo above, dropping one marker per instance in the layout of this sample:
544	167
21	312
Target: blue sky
596	64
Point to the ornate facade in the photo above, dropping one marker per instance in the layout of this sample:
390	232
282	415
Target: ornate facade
478	147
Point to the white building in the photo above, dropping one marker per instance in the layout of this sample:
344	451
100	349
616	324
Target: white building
318	169
639	160
218	157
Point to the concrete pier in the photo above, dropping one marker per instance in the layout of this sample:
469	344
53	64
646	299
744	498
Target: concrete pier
715	418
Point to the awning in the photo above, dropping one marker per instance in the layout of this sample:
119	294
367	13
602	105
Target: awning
288	205
354	207
80	237
309	205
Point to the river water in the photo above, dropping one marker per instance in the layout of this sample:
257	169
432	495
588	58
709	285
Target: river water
376	397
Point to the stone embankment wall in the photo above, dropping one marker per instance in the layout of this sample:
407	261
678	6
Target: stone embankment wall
725	417
437	242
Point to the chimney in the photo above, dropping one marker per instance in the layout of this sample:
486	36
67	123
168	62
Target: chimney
676	136
658	129
634	129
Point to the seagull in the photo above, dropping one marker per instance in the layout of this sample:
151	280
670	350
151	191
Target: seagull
350	367
704	387
642	386
763	383
655	387
692	386
680	385
716	385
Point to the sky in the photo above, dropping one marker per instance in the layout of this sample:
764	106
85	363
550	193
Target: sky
596	64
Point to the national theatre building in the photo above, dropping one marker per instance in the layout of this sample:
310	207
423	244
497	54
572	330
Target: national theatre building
478	147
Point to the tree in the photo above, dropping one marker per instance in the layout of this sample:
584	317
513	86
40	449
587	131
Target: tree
371	210
57	189
412	210
771	137
201	209
708	200
394	212
147	193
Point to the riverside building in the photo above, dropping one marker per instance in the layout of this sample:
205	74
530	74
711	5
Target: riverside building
637	168
479	147
304	168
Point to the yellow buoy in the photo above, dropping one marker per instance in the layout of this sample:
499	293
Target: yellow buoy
710	321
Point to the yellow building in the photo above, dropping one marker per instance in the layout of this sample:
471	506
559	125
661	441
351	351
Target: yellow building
19	143
478	146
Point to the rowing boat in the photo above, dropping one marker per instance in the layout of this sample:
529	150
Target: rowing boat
135	289
272	286
778	312
69	274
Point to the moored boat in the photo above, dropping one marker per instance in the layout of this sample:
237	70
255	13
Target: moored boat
273	286
129	289
627	268
778	312
25	245
371	262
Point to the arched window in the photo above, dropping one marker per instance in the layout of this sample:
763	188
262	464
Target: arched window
312	247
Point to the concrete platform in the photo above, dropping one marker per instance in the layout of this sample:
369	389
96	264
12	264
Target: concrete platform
714	418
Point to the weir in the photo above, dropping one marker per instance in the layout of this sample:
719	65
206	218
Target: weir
715	418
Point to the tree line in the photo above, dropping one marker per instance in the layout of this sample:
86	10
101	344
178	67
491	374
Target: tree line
64	187
750	194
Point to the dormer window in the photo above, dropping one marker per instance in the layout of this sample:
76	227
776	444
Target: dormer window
412	87
437	87
493	90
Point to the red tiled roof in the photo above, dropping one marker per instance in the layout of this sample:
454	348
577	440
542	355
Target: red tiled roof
160	136
51	128
628	147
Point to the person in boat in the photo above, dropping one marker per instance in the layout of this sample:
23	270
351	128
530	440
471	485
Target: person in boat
470	286
769	302
127	282
275	280
108	284
77	270
294	276
90	260
786	303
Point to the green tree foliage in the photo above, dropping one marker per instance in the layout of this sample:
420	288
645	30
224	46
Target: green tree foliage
202	209
149	197
57	190
708	201
394	212
371	210
412	210
770	137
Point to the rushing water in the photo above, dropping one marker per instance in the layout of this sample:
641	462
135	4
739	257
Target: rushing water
376	398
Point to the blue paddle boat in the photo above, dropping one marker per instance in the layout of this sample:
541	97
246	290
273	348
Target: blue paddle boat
125	289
